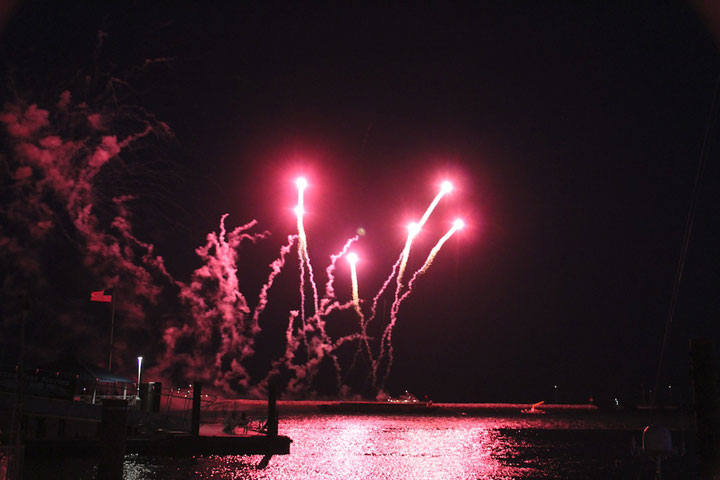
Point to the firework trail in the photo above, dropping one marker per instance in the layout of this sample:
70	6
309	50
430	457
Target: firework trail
329	303
445	187
301	184
319	345
457	225
302	374
292	343
276	268
401	262
364	341
352	260
387	334
215	285
330	273
219	308
364	324
299	211
311	330
122	225
384	286
211	309
414	230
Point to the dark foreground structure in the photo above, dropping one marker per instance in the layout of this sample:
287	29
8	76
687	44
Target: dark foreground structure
122	429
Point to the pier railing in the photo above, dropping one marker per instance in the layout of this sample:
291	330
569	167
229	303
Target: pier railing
151	397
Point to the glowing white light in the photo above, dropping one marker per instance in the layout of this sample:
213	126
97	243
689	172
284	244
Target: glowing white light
140	359
413	228
301	183
458	224
352	258
446	187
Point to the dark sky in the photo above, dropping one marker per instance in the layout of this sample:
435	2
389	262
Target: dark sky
573	132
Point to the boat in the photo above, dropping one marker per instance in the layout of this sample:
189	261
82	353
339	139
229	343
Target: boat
534	409
404	404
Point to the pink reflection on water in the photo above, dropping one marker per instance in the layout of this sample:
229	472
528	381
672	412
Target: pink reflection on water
389	447
443	447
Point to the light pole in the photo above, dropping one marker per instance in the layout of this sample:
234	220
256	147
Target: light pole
139	372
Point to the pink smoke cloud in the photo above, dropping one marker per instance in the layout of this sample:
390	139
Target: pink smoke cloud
53	186
23	123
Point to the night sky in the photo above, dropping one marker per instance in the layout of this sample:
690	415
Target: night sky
572	131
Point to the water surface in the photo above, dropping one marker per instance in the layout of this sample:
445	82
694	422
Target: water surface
449	445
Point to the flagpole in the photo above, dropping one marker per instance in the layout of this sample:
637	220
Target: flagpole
112	328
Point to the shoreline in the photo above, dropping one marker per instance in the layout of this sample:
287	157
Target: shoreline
312	406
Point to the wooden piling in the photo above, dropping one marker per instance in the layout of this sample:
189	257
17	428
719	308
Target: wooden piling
272	424
197	397
113	439
272	421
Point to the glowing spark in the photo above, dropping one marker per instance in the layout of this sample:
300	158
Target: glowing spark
413	229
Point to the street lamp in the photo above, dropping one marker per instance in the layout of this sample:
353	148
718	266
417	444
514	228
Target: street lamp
139	371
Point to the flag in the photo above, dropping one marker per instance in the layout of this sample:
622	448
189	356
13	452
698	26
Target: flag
101	296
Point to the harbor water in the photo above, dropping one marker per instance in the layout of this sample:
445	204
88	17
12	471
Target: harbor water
453	443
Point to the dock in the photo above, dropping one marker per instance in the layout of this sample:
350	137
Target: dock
175	444
121	431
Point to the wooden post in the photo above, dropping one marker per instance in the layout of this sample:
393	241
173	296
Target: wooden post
706	408
272	421
272	424
197	397
154	396
113	435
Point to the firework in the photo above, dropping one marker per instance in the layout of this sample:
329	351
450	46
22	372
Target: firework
214	337
387	335
352	260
